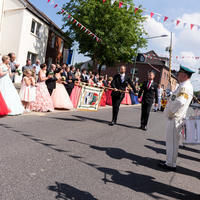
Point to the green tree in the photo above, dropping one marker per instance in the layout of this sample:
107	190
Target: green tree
120	30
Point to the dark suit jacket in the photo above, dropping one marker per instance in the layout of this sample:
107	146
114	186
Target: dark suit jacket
51	83
84	79
148	94
117	83
66	75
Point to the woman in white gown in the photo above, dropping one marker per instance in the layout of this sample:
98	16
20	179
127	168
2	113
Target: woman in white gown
8	90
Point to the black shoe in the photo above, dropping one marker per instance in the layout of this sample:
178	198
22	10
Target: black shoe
163	165
112	123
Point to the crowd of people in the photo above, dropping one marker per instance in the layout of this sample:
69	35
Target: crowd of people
44	89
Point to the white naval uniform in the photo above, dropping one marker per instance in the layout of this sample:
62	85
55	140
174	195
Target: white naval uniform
176	110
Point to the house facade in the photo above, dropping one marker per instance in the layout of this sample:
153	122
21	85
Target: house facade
25	31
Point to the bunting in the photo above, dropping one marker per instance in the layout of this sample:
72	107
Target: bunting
74	21
156	15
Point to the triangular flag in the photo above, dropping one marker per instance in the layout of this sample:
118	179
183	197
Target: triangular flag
136	9
178	22
112	2
120	4
151	14
74	21
79	24
191	26
104	1
62	11
52	2
165	18
176	57
49	1
55	5
184	25
128	6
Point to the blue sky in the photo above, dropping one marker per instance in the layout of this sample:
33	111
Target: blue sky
185	41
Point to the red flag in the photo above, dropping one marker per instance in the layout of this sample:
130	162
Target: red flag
120	4
176	57
136	9
55	5
191	26
104	1
74	21
178	22
79	24
165	19
151	14
49	1
83	28
62	11
69	16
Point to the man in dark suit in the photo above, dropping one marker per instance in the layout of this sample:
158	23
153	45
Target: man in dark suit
70	83
120	82
84	76
51	82
148	92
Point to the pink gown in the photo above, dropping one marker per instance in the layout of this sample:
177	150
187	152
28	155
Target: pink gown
43	102
127	99
75	95
109	97
4	110
61	98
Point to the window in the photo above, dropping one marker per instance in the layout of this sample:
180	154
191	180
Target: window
33	26
49	62
36	28
53	39
165	75
199	70
61	46
32	57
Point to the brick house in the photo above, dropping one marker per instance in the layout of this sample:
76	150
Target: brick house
57	46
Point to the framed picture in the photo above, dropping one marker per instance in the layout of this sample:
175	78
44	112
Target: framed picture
90	98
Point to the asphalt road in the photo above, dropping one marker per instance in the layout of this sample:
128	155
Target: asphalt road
77	156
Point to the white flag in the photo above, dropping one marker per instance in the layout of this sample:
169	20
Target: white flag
112	2
128	7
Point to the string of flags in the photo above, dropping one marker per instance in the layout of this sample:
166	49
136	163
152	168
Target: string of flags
155	15
73	20
166	57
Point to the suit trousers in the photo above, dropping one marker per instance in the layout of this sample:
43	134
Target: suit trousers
146	108
172	141
116	101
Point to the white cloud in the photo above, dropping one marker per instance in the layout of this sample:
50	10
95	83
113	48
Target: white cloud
155	28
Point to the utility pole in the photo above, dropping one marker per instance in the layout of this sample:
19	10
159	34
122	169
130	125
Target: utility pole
170	62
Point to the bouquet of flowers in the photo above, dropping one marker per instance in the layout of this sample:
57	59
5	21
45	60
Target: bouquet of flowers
63	78
19	72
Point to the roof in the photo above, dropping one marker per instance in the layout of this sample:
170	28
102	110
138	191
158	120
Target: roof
43	17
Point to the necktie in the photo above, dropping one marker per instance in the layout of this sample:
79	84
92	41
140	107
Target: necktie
149	85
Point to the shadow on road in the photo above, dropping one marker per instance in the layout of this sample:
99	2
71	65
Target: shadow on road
103	121
163	151
68	192
181	147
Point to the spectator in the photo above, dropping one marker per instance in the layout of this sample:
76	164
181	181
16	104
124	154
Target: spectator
27	66
84	76
96	77
13	65
51	82
36	67
78	73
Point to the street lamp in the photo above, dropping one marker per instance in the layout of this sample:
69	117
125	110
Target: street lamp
159	36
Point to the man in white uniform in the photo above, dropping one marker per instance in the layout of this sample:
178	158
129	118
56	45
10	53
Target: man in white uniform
176	110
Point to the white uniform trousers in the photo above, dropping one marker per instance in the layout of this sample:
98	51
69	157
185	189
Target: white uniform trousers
172	141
